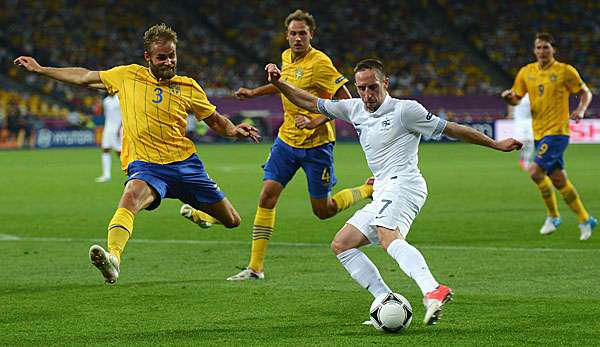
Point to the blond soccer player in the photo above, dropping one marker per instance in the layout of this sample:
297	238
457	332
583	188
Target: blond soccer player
159	160
294	148
549	83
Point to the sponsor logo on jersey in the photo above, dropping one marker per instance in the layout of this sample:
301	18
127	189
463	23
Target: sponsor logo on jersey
340	79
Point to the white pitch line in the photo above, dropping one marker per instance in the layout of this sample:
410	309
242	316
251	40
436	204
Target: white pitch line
7	237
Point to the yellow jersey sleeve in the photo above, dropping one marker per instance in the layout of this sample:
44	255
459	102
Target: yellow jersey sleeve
327	78
573	81
520	86
113	78
201	107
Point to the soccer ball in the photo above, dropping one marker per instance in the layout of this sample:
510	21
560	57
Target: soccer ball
391	313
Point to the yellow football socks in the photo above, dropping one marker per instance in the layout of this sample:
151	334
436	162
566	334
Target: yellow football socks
348	197
199	216
261	234
120	230
572	199
548	196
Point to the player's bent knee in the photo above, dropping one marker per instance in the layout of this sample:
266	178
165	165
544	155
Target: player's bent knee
322	213
233	221
339	246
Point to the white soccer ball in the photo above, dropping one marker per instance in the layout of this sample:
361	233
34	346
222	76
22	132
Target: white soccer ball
391	313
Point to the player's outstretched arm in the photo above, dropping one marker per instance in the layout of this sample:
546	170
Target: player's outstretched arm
246	93
297	96
471	135
74	75
224	127
584	102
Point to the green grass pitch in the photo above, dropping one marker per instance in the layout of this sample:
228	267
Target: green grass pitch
478	232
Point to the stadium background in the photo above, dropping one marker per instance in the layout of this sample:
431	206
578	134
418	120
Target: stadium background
453	57
478	228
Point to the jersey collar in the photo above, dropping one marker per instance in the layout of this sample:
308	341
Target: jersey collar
547	67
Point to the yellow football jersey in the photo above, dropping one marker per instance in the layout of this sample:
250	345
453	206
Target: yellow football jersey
154	113
316	74
549	91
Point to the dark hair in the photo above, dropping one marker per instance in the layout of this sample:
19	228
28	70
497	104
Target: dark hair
543	36
370	64
301	16
158	33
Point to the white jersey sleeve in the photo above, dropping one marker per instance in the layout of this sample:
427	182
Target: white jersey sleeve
333	109
417	119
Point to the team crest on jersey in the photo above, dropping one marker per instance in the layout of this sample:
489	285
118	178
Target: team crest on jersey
299	73
553	78
385	124
175	89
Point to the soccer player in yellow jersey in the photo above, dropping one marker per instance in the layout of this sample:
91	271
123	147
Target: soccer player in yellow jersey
549	84
295	148
159	160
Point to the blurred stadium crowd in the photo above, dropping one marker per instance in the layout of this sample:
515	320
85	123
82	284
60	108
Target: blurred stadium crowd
436	47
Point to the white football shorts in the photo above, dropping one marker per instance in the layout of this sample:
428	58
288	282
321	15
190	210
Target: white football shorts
396	202
111	138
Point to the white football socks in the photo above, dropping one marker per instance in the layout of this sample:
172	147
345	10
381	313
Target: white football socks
106	161
413	264
362	269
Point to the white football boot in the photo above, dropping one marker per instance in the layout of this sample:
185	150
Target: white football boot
247	274
187	211
550	225
102	179
586	228
106	263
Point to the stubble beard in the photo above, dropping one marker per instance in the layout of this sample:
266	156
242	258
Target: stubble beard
163	73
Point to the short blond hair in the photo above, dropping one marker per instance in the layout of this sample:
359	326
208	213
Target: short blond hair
158	33
301	16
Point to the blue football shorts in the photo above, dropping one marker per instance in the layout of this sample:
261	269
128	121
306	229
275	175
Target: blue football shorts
184	180
316	162
549	152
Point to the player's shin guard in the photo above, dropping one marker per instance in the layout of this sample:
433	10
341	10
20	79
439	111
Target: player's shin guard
363	271
261	234
413	264
348	197
120	230
549	197
572	199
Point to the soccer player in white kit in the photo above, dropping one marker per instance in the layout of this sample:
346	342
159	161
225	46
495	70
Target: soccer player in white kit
389	132
521	115
111	136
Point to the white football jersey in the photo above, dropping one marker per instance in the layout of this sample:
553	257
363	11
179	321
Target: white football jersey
112	112
389	136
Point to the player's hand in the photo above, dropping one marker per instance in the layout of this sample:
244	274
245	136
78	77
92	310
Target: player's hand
273	72
243	93
577	115
507	94
508	145
301	121
244	130
28	63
